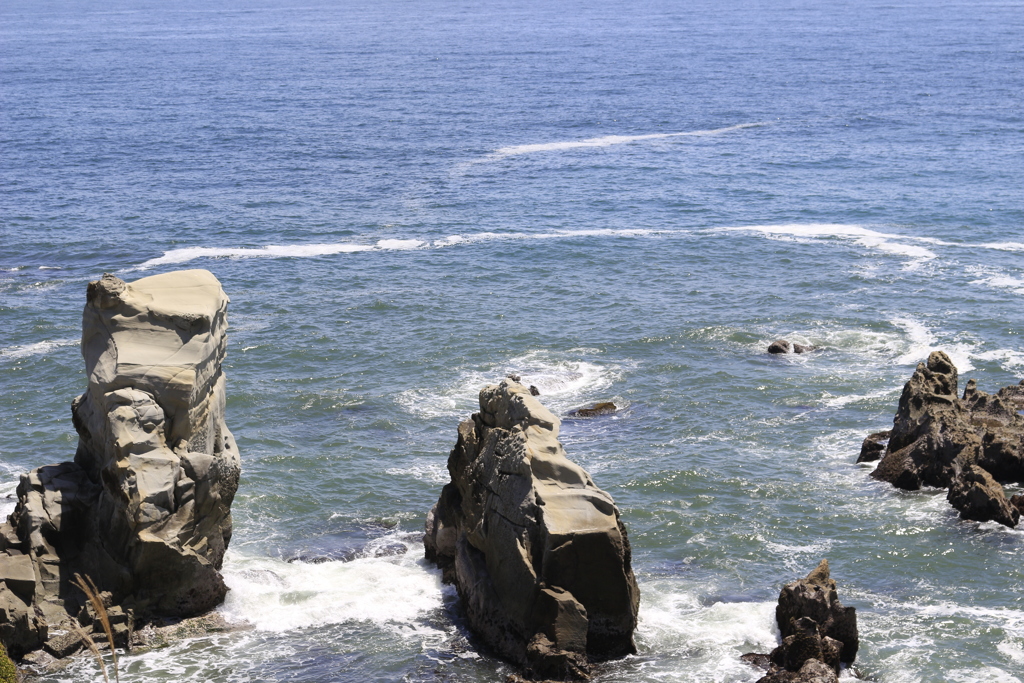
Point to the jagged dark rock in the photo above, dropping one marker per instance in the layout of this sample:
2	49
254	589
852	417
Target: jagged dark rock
818	633
537	552
144	509
813	671
816	597
939	440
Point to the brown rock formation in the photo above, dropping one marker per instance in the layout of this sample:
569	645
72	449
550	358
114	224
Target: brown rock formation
144	509
537	552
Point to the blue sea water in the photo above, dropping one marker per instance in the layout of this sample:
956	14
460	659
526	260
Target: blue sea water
406	201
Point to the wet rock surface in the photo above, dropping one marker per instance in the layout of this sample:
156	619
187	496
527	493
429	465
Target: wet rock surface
785	346
536	550
144	508
969	445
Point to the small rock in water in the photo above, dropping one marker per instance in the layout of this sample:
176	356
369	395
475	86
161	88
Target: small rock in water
757	659
785	346
534	391
604	408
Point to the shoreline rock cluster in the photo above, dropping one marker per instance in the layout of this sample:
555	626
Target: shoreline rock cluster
818	633
537	552
968	445
144	508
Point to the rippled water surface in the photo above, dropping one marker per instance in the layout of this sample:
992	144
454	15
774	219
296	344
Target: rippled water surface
406	201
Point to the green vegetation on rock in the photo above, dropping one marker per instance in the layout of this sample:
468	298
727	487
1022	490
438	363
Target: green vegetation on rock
8	672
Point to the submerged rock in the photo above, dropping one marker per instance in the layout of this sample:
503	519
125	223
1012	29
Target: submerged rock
603	408
144	509
966	444
536	550
785	346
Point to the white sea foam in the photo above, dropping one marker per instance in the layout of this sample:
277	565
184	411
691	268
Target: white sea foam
274	595
1012	284
608	140
1004	246
988	674
186	254
563	383
36	349
1013	650
712	637
434	471
872	239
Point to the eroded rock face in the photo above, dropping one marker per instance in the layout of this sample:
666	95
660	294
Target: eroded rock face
536	550
943	441
144	509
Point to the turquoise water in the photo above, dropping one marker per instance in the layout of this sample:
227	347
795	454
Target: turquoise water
407	201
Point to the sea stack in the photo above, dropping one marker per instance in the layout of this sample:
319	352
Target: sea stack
144	509
537	552
969	445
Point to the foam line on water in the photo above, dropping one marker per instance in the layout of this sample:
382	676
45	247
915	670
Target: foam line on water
36	349
176	256
898	245
609	140
873	239
186	254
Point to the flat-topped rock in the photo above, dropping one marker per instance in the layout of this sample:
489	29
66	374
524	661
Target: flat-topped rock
144	509
537	551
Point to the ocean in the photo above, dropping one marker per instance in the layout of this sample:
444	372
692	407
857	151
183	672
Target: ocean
407	201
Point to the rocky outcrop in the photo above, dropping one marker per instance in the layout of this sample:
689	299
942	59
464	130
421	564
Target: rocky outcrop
144	509
818	633
786	346
943	441
536	550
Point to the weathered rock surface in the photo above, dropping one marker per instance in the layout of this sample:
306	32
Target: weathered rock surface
536	550
818	633
980	497
873	447
144	509
786	346
940	440
816	597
